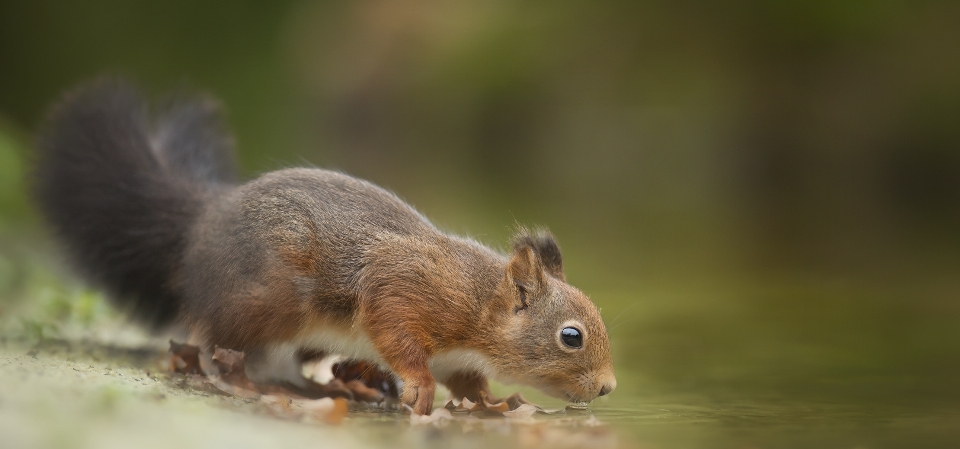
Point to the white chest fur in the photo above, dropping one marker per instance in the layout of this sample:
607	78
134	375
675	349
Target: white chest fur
448	363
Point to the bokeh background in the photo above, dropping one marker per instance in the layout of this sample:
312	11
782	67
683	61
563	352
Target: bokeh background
762	197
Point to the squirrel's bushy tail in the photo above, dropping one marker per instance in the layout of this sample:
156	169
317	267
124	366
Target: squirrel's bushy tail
122	190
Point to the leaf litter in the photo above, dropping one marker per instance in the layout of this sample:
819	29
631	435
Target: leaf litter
223	373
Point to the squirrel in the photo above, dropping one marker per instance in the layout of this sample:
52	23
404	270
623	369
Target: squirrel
148	206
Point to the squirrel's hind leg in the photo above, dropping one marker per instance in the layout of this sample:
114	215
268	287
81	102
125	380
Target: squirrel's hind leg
276	364
475	387
467	385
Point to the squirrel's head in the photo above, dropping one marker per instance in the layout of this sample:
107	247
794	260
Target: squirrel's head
555	339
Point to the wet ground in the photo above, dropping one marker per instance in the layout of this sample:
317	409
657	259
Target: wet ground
851	368
63	394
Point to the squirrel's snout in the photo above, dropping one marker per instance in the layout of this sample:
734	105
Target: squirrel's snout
608	387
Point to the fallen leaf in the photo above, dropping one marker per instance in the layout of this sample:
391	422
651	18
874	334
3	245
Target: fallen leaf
340	410
230	364
498	407
437	416
184	358
227	375
516	400
329	410
467	406
522	412
464	406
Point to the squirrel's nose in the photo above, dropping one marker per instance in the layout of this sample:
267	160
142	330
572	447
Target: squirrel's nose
608	387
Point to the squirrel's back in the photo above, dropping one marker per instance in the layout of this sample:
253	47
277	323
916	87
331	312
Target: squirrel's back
122	189
296	241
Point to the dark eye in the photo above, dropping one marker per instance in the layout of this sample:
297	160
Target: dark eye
571	337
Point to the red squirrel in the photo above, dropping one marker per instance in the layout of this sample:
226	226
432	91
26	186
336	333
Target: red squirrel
147	205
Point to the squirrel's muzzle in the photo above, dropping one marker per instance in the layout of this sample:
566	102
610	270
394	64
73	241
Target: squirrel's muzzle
608	386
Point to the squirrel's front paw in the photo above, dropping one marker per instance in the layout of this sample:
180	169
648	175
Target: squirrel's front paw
419	396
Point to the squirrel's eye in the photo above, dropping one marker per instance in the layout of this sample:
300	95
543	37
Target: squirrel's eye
571	337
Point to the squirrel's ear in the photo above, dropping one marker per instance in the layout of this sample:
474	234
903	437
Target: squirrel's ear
549	254
545	249
525	269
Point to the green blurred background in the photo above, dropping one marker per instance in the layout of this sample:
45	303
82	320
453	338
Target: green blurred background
762	197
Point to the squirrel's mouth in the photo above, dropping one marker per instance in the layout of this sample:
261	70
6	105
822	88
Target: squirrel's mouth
577	400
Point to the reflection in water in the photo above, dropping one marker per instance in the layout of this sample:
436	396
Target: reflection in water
686	423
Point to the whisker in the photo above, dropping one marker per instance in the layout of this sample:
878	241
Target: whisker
622	312
614	327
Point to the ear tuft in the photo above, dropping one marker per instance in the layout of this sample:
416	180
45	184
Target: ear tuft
546	249
550	255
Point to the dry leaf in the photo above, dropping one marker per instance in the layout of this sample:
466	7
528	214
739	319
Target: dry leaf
498	407
224	373
467	406
340	410
329	410
438	416
184	359
230	364
522	412
516	400
228	360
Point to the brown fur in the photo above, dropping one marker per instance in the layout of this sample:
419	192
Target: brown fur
303	248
